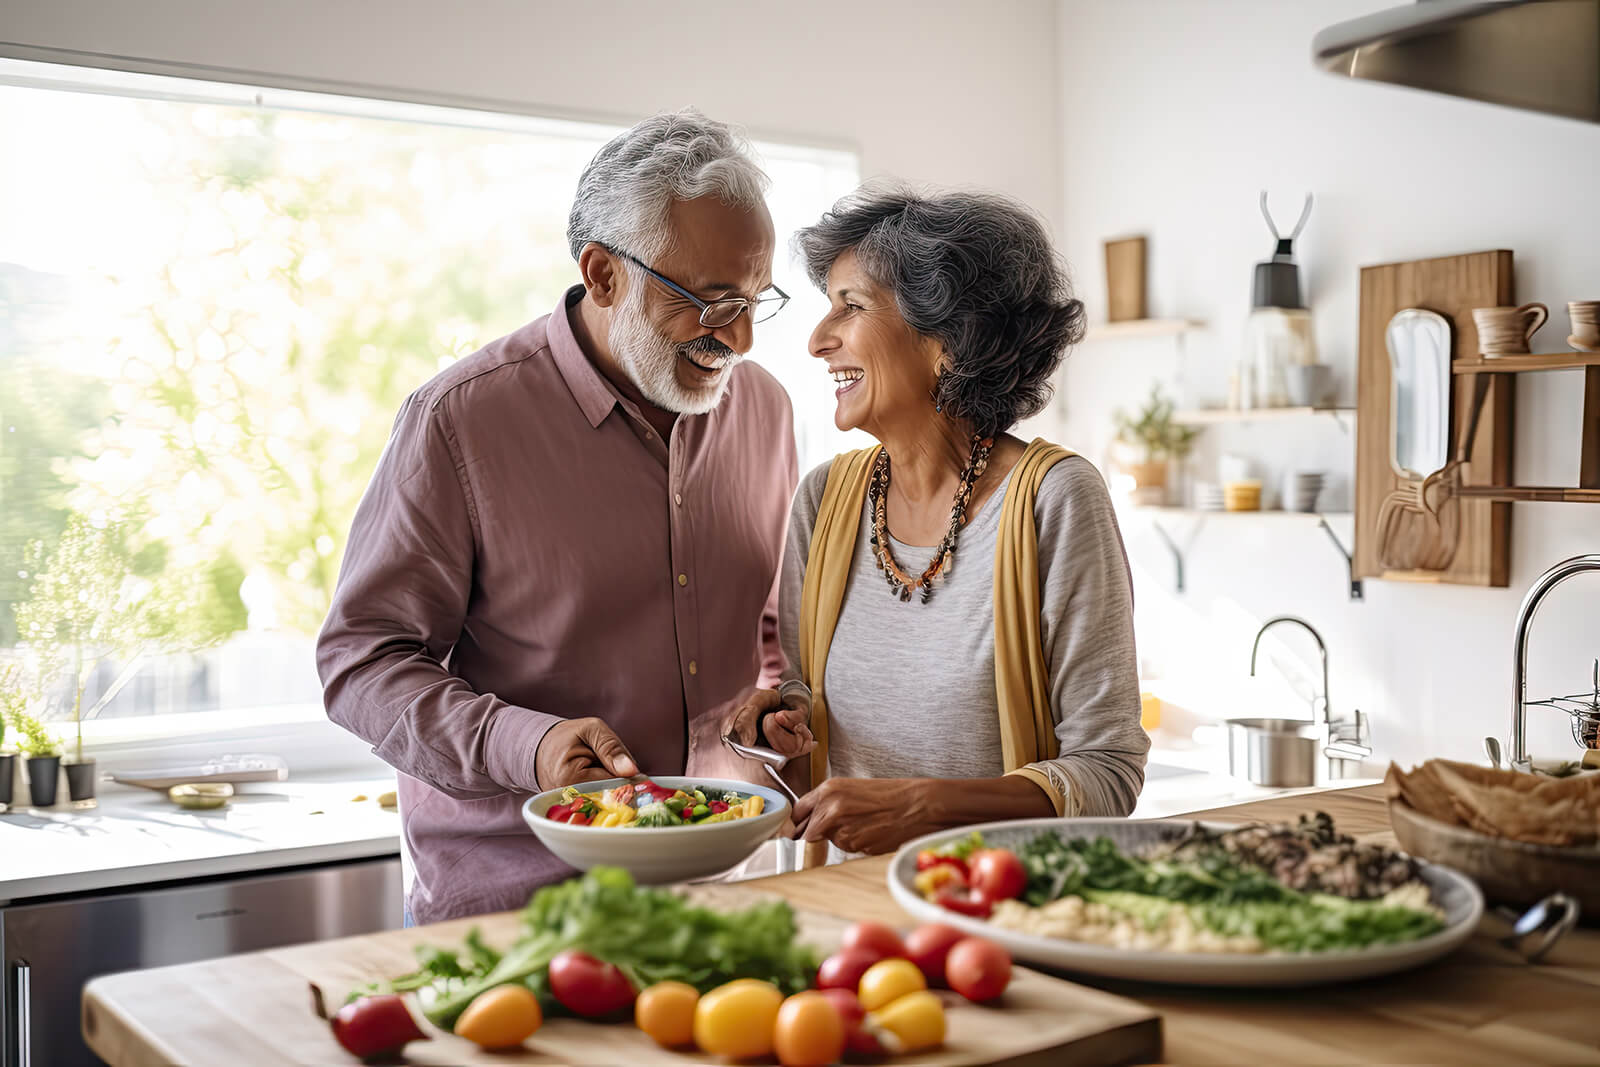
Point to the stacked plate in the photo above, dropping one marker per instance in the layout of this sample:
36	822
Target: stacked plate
1208	496
1301	489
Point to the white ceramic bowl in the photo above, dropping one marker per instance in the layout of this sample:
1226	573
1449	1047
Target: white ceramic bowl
658	855
1453	893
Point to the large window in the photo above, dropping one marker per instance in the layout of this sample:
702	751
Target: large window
213	299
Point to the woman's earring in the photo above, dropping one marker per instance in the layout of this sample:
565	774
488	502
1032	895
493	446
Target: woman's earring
933	394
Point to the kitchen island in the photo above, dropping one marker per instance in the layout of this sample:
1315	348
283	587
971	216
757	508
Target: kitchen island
1481	1005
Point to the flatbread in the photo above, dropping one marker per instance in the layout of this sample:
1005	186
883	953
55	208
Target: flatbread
1502	803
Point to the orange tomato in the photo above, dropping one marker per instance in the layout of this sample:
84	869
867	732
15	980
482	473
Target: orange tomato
665	1011
810	1031
502	1017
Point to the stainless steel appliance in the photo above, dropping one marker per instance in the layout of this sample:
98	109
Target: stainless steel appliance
53	946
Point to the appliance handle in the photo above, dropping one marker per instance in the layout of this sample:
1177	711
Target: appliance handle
22	977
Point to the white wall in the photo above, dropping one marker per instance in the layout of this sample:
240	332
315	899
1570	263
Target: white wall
932	90
1174	116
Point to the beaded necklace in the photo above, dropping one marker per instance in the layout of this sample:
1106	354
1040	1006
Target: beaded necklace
901	583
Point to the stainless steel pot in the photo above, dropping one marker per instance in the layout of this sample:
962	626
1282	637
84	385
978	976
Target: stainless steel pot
1275	752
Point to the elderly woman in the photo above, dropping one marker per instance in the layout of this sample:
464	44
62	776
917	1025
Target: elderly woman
956	606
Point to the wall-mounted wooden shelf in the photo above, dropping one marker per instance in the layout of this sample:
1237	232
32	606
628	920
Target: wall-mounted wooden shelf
1550	494
1198	518
1105	331
1212	416
1517	364
1587	491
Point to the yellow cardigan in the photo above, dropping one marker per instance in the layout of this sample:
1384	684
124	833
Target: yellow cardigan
1022	677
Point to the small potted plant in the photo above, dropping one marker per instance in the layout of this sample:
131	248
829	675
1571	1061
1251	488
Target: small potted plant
1159	439
41	759
8	769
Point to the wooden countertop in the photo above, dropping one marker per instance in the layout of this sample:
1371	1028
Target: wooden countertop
1481	1005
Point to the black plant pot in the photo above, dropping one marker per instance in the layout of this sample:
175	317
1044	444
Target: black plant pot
43	773
8	769
80	782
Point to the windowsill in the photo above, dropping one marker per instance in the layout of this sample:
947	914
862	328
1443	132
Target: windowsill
300	734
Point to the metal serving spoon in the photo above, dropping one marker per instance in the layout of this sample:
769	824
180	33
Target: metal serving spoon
1554	916
769	759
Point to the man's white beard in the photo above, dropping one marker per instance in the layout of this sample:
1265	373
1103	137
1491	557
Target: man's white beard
651	361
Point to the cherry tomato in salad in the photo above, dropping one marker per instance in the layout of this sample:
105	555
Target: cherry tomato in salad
928	858
997	873
589	987
964	900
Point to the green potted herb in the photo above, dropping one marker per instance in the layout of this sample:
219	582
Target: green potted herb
1158	439
41	759
8	769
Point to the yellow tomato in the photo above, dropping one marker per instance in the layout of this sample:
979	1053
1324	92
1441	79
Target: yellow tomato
810	1031
665	1011
501	1017
889	980
916	1019
737	1019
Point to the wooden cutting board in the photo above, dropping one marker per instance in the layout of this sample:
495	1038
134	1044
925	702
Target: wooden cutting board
256	1009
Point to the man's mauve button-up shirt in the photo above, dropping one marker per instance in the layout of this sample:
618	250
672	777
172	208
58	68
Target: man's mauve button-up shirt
530	550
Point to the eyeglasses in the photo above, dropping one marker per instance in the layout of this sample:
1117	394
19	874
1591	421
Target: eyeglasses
718	313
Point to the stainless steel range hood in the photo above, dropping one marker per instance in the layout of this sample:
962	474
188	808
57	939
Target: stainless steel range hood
1541	55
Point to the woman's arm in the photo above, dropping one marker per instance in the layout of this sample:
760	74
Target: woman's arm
876	815
1086	600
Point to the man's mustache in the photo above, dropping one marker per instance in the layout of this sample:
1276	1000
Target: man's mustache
707	345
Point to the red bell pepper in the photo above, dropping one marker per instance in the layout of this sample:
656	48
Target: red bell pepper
578	818
718	807
929	858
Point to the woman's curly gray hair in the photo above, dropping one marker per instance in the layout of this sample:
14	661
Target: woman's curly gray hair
975	271
626	191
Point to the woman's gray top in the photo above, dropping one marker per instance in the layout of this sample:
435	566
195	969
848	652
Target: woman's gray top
910	686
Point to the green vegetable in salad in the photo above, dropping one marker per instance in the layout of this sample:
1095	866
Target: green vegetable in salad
653	935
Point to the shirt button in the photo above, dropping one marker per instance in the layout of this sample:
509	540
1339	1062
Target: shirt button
694	668
677	498
683	579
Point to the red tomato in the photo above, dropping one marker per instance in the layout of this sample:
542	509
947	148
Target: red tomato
578	818
843	970
928	945
977	969
873	937
375	1026
589	987
859	1036
997	873
964	901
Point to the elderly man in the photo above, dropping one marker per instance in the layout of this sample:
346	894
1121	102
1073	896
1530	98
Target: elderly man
566	560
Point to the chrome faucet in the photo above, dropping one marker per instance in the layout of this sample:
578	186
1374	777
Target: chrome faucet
1345	740
1519	664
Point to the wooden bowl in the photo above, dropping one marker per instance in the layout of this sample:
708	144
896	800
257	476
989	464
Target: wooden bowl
1508	872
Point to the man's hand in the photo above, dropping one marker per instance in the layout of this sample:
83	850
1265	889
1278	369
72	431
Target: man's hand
871	815
786	728
581	750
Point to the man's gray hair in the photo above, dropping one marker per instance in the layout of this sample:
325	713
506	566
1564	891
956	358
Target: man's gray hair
628	188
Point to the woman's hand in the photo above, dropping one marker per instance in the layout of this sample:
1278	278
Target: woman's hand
786	728
872	815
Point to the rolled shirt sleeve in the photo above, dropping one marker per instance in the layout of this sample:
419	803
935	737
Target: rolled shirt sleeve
397	613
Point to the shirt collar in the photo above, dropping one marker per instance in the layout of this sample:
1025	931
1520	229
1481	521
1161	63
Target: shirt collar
594	394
